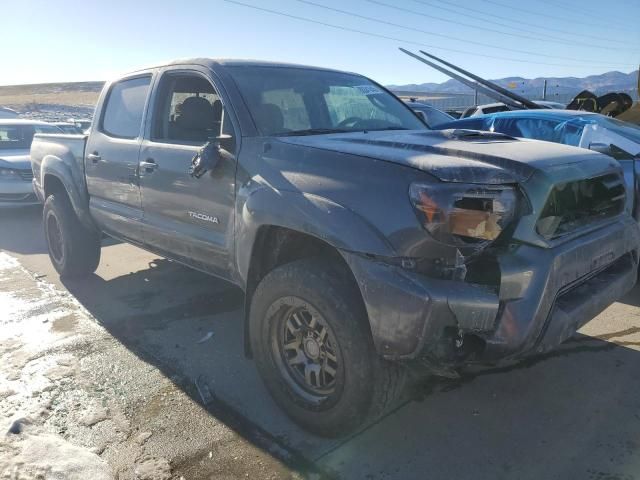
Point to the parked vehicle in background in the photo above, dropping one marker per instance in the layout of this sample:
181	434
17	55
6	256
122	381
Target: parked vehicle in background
431	115
67	127
613	137
16	135
363	240
83	124
501	107
6	112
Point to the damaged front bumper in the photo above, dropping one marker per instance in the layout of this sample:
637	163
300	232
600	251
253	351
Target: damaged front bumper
544	296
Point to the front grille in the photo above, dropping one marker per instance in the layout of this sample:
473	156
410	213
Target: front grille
574	205
26	175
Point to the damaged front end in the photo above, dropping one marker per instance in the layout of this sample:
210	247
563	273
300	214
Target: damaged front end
508	270
467	218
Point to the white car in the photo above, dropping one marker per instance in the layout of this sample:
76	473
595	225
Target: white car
83	124
16	188
501	107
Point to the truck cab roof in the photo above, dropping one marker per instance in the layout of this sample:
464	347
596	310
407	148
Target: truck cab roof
213	63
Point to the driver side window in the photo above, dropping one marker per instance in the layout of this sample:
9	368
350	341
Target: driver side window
188	110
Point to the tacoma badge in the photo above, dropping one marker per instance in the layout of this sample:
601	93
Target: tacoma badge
204	216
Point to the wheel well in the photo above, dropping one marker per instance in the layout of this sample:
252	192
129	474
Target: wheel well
275	246
53	184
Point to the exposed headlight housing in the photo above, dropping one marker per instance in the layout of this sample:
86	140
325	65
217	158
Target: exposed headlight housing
464	214
9	174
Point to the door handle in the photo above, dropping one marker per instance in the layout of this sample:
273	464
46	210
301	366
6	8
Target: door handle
149	165
94	157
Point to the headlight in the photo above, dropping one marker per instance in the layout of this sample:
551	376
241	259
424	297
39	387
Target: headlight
464	214
9	174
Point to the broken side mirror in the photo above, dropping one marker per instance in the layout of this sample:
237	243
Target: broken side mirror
208	156
601	148
611	150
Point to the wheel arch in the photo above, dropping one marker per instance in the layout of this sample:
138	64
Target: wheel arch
275	246
57	177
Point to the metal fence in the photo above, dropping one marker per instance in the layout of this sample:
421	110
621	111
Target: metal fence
460	101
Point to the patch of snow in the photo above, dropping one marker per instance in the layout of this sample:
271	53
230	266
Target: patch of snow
33	455
7	261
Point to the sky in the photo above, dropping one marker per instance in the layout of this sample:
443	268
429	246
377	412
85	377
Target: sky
78	40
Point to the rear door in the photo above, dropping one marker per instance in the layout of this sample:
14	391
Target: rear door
186	218
111	163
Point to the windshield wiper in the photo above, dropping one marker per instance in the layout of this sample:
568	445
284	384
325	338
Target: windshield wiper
385	128
312	131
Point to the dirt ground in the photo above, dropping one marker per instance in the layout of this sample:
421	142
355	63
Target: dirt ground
141	367
76	404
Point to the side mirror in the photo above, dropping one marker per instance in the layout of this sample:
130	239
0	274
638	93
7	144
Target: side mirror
601	148
421	116
611	150
208	156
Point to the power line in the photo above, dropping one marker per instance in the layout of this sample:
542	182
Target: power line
463	24
576	9
401	40
450	37
520	23
554	17
572	8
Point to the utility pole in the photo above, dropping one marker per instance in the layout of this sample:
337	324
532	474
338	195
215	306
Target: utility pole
544	91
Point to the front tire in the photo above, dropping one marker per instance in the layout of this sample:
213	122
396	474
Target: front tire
74	250
311	342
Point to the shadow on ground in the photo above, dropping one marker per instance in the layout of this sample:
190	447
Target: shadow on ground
632	298
574	413
22	230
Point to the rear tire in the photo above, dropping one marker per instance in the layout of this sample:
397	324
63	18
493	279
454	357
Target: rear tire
74	250
312	345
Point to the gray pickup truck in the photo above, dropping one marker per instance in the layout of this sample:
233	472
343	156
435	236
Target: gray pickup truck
364	241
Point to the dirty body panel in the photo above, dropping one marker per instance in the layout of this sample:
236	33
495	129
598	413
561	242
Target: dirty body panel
424	297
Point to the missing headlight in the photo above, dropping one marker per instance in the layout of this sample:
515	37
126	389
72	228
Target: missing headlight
462	214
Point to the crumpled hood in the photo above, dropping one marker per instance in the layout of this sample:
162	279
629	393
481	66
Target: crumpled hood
18	159
464	156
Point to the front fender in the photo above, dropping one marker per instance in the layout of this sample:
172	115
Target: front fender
317	216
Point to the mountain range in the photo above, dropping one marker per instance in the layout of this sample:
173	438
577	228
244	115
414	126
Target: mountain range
598	84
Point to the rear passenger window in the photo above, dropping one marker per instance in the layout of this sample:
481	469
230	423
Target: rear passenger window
125	105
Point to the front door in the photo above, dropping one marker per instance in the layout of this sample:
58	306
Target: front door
111	162
186	218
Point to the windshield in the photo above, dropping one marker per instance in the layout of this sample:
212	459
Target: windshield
20	136
295	101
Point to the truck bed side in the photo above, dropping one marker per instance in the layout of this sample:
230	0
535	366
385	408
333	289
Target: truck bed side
58	160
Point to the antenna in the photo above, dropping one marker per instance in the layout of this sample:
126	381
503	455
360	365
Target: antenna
503	91
488	92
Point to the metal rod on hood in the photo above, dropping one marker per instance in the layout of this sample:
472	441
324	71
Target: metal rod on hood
525	101
488	92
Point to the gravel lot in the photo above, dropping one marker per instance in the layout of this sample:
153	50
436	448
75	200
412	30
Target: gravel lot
138	372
